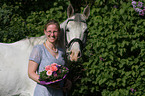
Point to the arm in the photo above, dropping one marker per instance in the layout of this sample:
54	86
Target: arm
32	67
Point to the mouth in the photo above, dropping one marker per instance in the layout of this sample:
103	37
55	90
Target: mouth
52	38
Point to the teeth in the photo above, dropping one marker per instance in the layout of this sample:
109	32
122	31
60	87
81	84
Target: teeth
51	38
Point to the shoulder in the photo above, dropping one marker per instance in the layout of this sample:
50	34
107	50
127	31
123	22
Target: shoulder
38	47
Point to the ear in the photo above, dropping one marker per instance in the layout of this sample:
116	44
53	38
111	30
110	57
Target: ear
87	11
70	11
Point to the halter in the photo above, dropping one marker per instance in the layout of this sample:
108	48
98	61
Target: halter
82	43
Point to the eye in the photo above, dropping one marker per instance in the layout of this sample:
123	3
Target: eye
86	30
67	30
48	31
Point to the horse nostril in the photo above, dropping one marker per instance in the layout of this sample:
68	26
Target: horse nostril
70	52
79	54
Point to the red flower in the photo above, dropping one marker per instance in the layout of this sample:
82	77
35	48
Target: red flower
53	68
47	68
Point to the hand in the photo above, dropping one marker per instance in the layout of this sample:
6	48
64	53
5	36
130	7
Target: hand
67	85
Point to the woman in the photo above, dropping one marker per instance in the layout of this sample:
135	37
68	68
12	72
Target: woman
46	54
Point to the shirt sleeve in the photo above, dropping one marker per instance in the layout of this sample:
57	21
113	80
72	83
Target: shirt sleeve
36	54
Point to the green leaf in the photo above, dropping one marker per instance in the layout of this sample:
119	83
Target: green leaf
102	81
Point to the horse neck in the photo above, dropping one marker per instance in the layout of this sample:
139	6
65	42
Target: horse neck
37	40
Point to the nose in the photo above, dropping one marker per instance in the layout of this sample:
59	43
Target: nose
52	34
74	55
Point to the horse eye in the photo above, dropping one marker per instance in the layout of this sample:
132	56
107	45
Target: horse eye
67	30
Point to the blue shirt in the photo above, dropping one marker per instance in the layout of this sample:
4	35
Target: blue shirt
42	57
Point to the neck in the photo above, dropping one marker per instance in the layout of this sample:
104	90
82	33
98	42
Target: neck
51	46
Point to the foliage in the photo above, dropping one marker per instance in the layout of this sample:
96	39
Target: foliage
15	26
114	59
114	52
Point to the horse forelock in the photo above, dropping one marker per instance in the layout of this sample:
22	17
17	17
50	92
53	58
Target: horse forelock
76	18
79	17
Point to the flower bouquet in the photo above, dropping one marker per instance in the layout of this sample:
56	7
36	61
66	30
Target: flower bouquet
53	73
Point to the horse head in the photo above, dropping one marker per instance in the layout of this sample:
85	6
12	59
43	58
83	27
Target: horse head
75	32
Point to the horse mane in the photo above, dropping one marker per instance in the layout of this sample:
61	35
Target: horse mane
37	40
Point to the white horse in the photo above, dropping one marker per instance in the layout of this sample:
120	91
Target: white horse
14	57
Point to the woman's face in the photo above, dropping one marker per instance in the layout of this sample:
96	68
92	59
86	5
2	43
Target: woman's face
52	33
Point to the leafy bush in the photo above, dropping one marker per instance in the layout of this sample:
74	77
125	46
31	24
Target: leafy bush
114	52
12	26
15	26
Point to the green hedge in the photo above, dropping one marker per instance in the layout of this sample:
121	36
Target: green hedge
114	60
115	52
15	25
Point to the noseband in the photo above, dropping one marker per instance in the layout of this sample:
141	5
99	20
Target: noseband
82	42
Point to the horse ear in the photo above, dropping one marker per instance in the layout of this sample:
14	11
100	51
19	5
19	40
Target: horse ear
70	10
87	11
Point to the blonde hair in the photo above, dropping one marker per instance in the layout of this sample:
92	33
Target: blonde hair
50	22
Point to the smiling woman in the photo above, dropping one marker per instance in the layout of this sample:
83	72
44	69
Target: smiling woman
51	32
43	55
